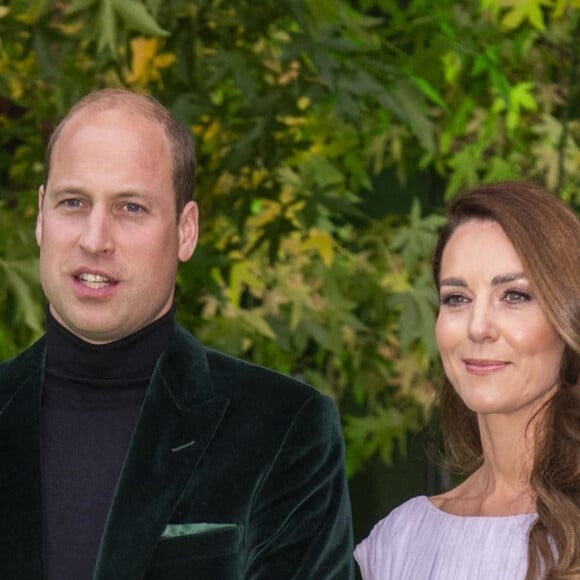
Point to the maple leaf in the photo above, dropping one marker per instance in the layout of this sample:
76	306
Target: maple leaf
518	11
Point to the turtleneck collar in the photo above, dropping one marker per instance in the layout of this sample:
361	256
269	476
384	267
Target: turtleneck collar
129	359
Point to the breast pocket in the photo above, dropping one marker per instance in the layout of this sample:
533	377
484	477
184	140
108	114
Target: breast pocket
198	552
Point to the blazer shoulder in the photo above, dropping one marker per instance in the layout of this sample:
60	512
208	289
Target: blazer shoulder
19	370
23	363
228	370
223	366
248	386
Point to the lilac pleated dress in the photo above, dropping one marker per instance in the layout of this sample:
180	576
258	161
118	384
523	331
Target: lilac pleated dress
418	541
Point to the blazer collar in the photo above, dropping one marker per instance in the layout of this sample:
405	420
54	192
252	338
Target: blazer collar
178	420
21	533
184	370
179	417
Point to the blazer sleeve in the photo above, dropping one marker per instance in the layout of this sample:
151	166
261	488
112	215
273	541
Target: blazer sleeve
301	524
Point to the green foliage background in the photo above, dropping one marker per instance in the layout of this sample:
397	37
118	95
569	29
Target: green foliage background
329	135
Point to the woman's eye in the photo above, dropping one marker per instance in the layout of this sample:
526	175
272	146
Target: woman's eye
453	300
516	297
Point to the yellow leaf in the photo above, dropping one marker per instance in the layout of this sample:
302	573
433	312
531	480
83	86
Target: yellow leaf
270	212
323	243
257	177
562	6
147	62
452	64
304	102
291	121
519	11
212	131
254	319
68	29
241	276
296	315
396	282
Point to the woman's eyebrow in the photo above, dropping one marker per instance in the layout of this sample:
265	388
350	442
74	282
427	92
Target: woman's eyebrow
496	280
507	278
453	282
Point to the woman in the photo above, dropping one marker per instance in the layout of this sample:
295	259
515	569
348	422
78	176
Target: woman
507	268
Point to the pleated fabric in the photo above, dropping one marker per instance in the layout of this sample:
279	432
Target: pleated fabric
418	541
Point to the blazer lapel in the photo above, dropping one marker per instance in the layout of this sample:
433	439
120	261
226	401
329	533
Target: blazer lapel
177	422
21	533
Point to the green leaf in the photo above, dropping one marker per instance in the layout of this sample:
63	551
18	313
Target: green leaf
416	240
322	171
381	432
28	309
418	307
415	113
154	6
28	269
78	6
31	11
135	16
43	53
256	321
108	36
521	10
430	91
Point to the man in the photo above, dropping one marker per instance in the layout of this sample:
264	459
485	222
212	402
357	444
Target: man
130	451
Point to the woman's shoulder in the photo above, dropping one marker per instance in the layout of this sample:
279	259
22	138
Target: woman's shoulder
395	534
399	524
404	514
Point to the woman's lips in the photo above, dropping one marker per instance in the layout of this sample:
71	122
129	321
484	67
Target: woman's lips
484	366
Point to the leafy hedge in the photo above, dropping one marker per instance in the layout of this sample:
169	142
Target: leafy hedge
329	134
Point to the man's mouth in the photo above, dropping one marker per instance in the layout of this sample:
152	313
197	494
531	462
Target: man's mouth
94	281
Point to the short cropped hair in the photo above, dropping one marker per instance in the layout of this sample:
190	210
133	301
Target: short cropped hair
180	139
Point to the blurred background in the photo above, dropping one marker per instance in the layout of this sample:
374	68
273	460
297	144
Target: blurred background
329	134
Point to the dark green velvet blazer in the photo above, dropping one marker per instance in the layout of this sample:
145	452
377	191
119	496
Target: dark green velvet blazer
233	472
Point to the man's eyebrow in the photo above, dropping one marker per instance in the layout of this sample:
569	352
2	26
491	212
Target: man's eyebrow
132	194
137	197
128	194
65	191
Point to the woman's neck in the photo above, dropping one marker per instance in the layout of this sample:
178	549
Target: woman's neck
501	486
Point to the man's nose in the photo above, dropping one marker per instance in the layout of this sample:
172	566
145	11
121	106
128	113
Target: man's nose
97	235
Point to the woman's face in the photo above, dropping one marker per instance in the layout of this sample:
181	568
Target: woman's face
499	350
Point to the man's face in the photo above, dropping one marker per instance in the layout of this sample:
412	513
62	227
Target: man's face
108	237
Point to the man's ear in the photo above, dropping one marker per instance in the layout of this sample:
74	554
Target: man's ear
38	228
188	231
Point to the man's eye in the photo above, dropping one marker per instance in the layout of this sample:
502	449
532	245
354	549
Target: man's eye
133	207
72	203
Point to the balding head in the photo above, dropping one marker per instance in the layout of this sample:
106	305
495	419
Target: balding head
180	141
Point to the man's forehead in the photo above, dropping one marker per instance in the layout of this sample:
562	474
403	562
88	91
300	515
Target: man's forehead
116	124
94	114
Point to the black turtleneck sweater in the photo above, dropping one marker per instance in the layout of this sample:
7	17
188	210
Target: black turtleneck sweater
91	399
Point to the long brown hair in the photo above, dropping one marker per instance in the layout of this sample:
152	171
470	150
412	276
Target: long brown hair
546	236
